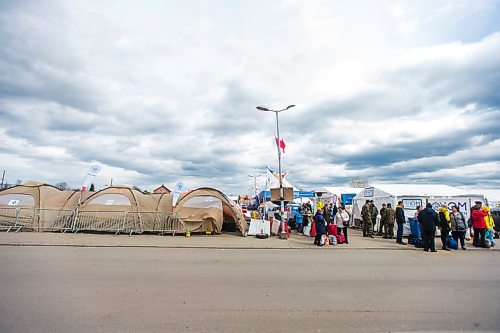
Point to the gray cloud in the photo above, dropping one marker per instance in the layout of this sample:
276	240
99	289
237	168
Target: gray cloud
157	100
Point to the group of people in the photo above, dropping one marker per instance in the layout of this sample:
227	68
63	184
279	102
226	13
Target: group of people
388	218
481	222
331	221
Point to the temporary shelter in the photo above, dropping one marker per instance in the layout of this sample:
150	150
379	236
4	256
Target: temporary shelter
37	206
413	195
339	195
207	209
121	208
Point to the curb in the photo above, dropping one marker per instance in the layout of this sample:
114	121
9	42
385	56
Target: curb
336	248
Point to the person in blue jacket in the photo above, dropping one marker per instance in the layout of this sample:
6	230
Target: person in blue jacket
320	227
299	220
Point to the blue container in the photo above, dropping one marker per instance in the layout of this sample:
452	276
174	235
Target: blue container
415	228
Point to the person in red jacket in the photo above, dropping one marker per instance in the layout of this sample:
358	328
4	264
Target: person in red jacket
479	225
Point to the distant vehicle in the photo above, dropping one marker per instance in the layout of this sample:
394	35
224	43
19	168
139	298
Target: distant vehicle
292	210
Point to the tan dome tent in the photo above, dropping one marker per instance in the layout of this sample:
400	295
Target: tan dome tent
38	206
208	209
121	208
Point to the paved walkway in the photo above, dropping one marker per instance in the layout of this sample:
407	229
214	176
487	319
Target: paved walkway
224	241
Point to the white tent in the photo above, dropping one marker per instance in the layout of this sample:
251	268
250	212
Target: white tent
413	195
492	195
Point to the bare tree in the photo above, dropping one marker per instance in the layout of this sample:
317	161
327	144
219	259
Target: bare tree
63	186
359	182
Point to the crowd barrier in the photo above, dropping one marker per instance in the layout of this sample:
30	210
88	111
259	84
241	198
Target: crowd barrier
31	219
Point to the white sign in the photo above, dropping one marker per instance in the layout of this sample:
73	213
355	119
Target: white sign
412	203
259	227
13	203
369	191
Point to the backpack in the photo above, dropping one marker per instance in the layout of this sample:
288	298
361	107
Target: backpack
333	240
340	239
451	243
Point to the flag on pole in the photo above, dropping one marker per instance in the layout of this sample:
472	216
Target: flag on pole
93	171
282	145
269	173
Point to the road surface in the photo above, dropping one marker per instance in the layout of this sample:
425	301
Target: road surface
89	289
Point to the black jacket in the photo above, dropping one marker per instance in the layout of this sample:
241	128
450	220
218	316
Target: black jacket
428	218
400	215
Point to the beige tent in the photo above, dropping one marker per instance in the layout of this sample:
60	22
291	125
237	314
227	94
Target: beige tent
39	206
121	208
207	209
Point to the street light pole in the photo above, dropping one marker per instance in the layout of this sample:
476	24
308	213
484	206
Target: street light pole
280	178
255	182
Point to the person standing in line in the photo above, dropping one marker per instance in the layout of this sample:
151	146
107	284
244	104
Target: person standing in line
444	225
390	217
490	224
417	211
458	226
428	219
374	213
382	221
320	225
400	220
479	225
366	215
342	222
335	210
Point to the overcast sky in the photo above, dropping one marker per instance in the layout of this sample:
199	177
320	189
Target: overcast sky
165	91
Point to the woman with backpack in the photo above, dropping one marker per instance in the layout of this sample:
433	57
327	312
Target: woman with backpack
458	226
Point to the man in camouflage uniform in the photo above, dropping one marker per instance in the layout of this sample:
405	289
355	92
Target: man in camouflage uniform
366	215
382	229
390	217
374	213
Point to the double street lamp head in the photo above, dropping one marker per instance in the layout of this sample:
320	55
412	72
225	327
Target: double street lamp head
263	108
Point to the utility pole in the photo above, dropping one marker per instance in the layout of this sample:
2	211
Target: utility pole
3	178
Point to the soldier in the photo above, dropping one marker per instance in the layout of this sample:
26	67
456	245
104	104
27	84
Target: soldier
374	213
382	221
366	215
390	217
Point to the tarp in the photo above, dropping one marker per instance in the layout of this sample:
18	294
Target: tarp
208	209
49	200
115	201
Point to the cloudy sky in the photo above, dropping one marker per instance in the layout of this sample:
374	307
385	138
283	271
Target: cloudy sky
165	91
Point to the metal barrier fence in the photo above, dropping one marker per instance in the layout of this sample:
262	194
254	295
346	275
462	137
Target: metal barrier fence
99	221
8	217
154	222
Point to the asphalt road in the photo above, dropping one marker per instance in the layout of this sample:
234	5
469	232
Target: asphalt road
85	289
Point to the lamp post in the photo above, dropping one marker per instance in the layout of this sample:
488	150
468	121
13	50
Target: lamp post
255	182
282	208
